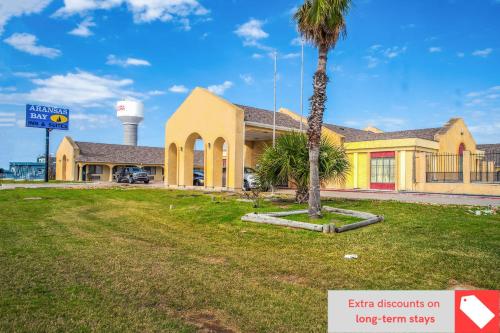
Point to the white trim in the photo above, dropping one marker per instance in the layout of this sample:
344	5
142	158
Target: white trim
289	129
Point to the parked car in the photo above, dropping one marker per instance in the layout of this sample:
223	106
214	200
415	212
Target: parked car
249	179
132	175
198	178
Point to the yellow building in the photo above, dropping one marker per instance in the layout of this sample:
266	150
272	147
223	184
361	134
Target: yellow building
233	136
88	161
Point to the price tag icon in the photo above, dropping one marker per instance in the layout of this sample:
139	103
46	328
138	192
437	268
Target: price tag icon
476	310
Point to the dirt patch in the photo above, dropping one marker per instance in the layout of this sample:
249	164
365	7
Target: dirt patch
207	322
214	260
455	285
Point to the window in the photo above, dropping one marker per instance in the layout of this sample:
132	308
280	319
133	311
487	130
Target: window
95	169
382	170
150	170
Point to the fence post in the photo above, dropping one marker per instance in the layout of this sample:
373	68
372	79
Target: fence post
466	167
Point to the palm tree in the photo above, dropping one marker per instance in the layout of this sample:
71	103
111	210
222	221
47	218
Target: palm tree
288	161
320	22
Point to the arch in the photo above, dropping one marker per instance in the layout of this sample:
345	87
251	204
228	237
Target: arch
220	162
64	167
461	149
172	165
189	159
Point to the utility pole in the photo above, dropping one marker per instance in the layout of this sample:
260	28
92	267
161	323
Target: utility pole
274	113
302	85
47	156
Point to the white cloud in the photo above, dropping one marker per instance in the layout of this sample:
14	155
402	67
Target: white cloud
395	51
377	54
178	89
9	88
290	55
28	43
460	54
247	78
13	8
408	26
83	29
156	93
297	41
257	56
27	75
7	119
251	32
143	10
84	121
220	89
482	53
74	89
372	61
435	49
113	60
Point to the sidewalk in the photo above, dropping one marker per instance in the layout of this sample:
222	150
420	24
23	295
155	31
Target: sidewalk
440	199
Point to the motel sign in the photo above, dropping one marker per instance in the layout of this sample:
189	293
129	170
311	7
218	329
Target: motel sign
49	117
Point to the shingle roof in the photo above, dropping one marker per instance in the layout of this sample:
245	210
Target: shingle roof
352	135
490	147
91	152
265	117
111	153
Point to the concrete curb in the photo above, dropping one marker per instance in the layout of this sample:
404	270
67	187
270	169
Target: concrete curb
274	219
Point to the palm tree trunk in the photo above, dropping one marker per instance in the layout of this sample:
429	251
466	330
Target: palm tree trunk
315	122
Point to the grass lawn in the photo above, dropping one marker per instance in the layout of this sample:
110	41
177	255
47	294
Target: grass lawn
155	260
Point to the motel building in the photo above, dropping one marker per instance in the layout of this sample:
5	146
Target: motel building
220	138
89	161
442	160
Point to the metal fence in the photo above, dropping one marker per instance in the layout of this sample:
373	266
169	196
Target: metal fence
444	168
485	168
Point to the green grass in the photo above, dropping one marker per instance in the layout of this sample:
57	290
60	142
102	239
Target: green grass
326	218
122	260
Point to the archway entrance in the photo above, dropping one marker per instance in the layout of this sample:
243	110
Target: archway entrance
172	164
461	150
221	167
194	161
64	163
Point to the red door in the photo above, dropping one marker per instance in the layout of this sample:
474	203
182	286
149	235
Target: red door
382	170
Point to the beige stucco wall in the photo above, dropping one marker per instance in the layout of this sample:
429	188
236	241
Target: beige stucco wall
210	117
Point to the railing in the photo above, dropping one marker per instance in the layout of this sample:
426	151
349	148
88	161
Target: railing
444	168
485	168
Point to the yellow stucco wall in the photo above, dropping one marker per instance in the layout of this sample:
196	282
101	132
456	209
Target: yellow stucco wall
66	150
455	134
209	117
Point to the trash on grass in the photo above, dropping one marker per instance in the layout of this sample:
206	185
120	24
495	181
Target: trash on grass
351	256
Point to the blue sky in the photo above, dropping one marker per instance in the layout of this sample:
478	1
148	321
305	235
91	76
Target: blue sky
405	64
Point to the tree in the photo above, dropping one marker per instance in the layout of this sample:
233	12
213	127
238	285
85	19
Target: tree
320	22
288	161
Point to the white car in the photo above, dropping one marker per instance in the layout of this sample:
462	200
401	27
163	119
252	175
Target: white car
249	179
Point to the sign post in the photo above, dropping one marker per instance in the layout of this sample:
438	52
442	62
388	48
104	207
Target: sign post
50	118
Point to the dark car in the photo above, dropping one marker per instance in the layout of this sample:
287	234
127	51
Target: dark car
132	175
198	178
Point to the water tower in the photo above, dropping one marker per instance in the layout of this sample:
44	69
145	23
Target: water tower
131	113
